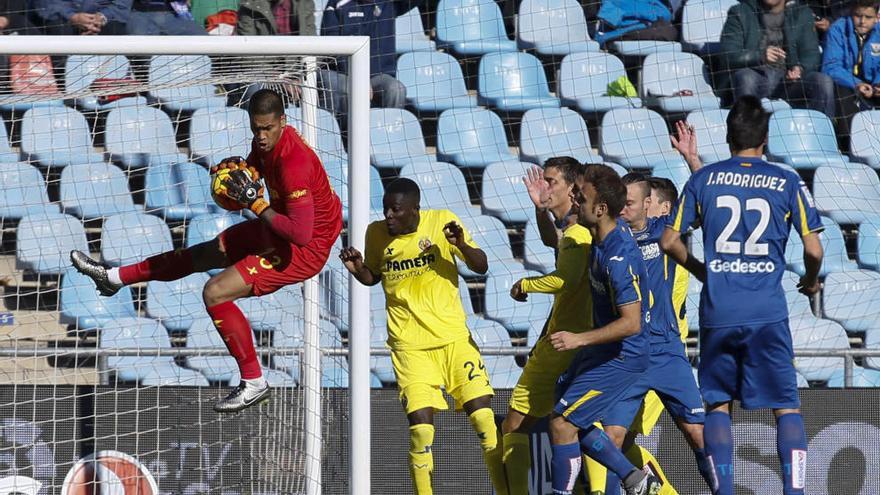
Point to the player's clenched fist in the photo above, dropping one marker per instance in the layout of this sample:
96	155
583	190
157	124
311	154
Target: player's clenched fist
565	341
454	233
352	259
517	293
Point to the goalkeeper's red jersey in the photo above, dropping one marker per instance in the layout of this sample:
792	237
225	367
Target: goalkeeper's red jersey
294	176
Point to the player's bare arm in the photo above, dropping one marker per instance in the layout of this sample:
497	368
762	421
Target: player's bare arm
671	244
809	283
474	258
684	140
354	263
539	193
629	323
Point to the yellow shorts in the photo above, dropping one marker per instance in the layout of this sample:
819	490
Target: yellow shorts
535	392
456	367
648	414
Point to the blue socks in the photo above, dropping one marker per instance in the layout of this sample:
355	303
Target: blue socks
719	450
565	467
597	445
612	484
791	444
705	467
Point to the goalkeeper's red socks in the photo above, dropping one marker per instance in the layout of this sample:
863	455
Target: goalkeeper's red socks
236	332
171	265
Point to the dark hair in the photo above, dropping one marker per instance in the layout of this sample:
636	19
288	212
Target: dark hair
747	124
266	102
637	178
609	187
569	167
665	188
863	4
407	187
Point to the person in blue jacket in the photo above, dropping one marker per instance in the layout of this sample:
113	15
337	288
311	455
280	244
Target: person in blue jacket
83	17
852	58
373	18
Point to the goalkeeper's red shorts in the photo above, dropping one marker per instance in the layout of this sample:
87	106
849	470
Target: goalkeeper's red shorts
268	262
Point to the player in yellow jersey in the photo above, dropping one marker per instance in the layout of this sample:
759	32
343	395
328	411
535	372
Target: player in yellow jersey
533	397
412	253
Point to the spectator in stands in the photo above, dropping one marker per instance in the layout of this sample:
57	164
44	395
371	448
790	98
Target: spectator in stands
218	17
83	17
14	18
627	20
373	18
826	12
162	17
852	59
770	49
271	17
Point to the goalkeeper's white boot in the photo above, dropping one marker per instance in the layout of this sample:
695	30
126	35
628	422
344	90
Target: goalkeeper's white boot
95	271
246	394
650	485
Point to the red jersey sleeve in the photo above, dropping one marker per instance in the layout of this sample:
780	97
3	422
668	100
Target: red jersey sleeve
296	215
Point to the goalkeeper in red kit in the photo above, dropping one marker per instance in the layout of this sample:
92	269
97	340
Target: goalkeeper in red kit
289	242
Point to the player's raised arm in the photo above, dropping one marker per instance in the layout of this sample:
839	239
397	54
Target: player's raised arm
684	140
473	257
539	193
354	263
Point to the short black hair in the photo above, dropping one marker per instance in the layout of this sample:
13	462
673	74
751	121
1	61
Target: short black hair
609	187
569	167
266	102
665	188
637	178
863	4
407	187
747	124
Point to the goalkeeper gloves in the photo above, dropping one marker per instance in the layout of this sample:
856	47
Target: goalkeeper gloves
242	184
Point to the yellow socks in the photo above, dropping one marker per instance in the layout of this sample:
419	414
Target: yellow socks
483	421
421	461
641	457
517	461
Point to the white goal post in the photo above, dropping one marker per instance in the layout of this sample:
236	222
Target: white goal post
357	49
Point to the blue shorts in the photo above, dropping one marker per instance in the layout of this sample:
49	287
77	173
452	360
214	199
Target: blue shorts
670	376
586	393
753	364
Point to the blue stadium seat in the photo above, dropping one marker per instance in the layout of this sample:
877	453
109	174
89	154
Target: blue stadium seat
94	190
553	27
409	33
617	168
81	71
774	105
513	82
515	316
692	305
809	332
798	304
847	193
175	81
666	73
869	243
472	27
334	372
804	139
141	136
218	133
337	172
835	258
179	191
674	169
537	256
504	194
202	334
443	187
862	378
701	24
203	228
45	240
641	48
81	306
328	144
434	82
6	153
864	138
852	299
57	137
584	79
396	138
334	369
548	132
711	129
502	370
801	381
273	311
131	237
635	138
472	138
491	235
177	303
23	192
149	369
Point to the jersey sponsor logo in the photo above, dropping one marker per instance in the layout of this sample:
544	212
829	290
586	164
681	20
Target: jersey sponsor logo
597	285
408	264
740	266
616	258
698	410
650	251
299	193
355	14
875	49
754	181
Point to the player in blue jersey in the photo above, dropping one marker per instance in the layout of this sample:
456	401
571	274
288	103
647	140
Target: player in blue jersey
615	351
669	380
746	208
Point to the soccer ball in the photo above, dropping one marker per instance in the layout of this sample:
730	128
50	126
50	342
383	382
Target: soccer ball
218	190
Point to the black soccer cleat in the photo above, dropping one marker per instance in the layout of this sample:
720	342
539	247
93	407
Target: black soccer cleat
243	396
650	485
95	271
